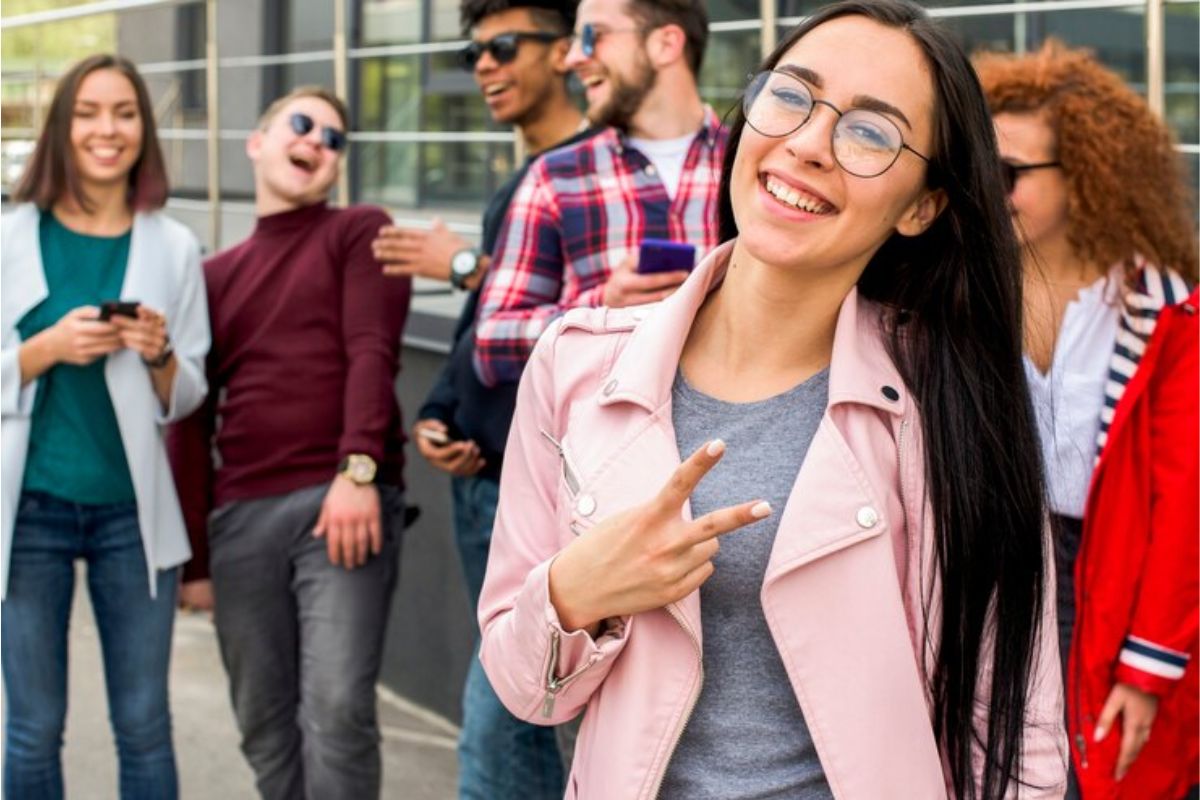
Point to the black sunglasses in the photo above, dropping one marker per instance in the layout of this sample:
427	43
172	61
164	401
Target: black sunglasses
332	138
503	47
1011	172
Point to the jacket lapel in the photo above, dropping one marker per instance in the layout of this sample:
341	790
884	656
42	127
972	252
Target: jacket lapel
24	279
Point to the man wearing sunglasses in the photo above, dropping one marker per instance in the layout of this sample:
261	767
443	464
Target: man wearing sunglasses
296	526
572	233
517	54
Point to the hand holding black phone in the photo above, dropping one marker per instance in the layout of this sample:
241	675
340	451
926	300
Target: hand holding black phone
118	308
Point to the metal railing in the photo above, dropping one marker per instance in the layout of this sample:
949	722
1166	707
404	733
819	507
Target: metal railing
342	55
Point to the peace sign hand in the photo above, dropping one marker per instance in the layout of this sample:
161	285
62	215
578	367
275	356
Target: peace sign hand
648	556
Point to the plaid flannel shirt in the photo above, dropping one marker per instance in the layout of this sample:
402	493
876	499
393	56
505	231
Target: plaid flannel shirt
578	214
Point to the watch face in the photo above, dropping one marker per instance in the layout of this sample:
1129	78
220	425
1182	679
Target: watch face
464	263
360	469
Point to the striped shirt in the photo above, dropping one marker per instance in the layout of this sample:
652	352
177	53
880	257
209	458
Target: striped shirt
579	213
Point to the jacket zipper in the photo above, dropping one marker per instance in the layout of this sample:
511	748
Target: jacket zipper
555	684
671	609
568	473
900	468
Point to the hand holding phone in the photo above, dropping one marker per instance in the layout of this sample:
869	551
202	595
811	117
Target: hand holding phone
434	435
118	308
661	255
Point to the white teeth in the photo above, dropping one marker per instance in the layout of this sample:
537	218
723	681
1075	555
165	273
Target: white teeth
105	152
793	197
495	88
593	81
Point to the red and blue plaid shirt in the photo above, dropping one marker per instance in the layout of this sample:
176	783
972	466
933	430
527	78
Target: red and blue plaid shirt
578	214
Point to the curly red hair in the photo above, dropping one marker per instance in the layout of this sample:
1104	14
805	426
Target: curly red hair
1125	178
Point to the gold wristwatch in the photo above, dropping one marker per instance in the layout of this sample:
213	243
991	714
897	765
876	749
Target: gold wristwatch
358	468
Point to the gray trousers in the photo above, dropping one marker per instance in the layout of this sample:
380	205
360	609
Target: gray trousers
302	641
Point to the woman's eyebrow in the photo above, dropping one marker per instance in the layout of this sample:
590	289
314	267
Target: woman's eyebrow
864	101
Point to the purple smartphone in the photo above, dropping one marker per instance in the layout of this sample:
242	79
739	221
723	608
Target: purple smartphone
660	255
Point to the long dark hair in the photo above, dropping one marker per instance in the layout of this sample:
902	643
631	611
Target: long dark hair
51	173
955	336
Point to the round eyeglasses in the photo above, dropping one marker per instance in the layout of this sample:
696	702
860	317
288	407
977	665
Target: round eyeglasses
332	138
589	35
865	143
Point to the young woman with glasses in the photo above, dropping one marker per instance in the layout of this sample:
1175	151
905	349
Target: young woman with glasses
836	396
1100	205
105	330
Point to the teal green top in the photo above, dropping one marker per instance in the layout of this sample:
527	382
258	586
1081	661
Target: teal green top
75	449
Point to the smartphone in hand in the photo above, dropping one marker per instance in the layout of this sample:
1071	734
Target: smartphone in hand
118	308
661	255
440	438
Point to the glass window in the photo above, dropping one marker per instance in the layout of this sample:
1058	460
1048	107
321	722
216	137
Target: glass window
425	94
731	56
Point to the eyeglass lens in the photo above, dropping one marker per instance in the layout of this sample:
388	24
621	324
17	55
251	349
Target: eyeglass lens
587	40
331	138
865	143
503	48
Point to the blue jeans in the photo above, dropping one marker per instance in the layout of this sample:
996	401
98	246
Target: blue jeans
135	636
499	756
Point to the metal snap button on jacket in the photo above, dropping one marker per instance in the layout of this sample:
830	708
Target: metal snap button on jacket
585	505
866	517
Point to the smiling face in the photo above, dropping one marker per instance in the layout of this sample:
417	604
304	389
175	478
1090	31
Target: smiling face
793	203
106	129
515	92
293	170
618	75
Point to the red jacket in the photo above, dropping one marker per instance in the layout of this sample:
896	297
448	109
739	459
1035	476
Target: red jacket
1138	572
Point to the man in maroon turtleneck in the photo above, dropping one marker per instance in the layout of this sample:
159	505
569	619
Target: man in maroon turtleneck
290	476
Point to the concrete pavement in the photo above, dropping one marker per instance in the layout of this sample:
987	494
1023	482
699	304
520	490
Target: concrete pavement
418	746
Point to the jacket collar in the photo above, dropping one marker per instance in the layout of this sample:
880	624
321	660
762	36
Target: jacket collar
860	370
709	132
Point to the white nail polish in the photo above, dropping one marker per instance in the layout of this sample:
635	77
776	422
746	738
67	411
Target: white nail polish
761	510
715	448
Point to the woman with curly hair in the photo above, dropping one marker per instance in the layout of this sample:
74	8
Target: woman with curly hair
1098	199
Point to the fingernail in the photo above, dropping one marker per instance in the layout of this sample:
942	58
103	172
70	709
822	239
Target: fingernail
715	447
761	510
1099	734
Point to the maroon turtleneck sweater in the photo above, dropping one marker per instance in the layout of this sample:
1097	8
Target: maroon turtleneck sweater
305	351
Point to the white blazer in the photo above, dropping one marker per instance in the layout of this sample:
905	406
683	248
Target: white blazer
164	273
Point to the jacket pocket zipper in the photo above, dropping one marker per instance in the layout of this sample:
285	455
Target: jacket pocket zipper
555	684
569	474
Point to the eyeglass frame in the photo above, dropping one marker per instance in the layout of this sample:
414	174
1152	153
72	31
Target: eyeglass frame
588	37
817	102
1011	172
469	55
332	139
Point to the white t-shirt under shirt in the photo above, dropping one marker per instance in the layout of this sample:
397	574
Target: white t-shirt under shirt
667	156
1068	399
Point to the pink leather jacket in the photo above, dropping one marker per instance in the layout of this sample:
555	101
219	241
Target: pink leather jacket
842	593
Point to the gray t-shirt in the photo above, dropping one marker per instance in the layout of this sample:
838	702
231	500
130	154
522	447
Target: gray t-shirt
746	737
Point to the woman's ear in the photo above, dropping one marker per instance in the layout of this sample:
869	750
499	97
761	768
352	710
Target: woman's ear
917	218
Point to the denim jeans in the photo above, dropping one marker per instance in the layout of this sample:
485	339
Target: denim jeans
135	636
302	641
499	756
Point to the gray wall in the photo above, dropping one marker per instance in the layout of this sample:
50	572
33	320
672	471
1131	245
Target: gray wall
432	630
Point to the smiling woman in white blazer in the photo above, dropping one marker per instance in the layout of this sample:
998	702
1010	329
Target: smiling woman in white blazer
85	475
